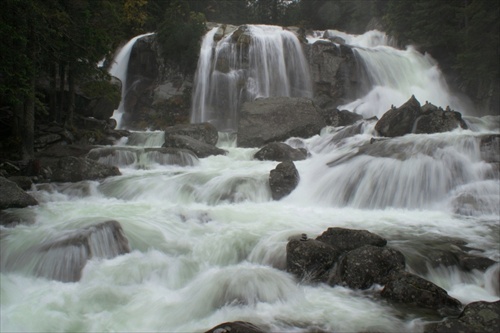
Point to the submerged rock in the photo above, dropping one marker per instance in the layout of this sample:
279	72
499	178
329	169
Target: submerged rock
12	196
204	132
64	257
283	179
235	327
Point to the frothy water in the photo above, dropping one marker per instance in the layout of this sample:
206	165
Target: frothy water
208	243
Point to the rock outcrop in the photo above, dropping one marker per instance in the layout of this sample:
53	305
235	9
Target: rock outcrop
278	151
277	119
12	196
411	117
199	148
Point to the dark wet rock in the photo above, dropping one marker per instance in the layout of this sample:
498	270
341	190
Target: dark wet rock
349	239
335	117
12	196
59	151
236	327
476	317
64	257
277	119
75	169
310	260
411	117
23	182
278	151
199	148
364	266
407	288
204	132
470	262
283	179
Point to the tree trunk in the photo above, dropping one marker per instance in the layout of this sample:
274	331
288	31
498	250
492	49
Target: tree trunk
28	133
62	84
53	92
71	97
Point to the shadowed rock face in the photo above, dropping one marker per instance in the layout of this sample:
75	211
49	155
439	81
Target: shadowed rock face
12	196
278	151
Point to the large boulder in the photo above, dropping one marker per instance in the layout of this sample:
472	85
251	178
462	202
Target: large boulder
335	117
476	317
277	119
75	169
349	239
364	266
12	196
283	179
199	148
204	132
279	151
411	289
309	259
411	117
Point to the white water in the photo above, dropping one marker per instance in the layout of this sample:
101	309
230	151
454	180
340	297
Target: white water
208	245
273	64
394	75
118	69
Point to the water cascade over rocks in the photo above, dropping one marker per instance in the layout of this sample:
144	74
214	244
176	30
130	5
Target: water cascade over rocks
363	232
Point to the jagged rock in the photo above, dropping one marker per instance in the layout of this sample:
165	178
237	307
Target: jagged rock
200	149
404	287
276	119
204	132
349	239
364	266
476	317
413	118
278	151
283	179
75	169
235	327
310	260
12	196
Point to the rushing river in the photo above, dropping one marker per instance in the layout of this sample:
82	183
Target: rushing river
208	244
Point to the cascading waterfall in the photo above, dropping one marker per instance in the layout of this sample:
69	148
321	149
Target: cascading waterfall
208	244
395	75
118	69
263	61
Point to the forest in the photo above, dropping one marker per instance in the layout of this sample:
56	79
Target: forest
57	43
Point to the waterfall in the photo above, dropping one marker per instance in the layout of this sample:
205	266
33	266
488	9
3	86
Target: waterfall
395	75
118	69
264	61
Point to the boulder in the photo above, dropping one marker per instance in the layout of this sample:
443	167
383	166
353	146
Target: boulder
346	240
278	151
364	266
413	118
75	169
235	327
489	147
200	149
64	256
23	182
310	260
204	132
12	196
411	289
277	119
476	317
283	179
